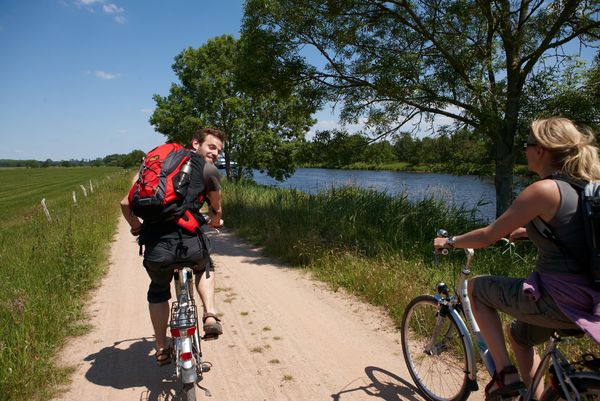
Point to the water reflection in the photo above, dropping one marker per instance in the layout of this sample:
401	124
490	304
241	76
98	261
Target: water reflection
468	191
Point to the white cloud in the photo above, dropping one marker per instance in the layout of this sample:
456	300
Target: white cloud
108	8
106	75
147	111
123	131
112	8
325	125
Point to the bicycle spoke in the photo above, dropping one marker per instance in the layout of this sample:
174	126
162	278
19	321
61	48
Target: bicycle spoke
434	351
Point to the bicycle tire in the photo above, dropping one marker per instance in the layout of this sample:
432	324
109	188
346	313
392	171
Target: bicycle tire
189	391
440	372
588	387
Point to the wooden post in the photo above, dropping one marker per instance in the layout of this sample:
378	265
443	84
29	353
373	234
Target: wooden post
46	211
84	190
74	198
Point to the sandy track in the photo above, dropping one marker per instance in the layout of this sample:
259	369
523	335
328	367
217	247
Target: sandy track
287	337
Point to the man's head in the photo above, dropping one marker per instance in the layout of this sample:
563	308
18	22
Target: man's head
208	143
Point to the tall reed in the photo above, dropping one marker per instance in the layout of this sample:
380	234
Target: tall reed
374	245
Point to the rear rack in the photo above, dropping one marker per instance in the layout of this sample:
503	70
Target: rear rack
183	317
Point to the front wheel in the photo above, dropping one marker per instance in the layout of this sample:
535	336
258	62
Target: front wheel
189	391
588	388
434	351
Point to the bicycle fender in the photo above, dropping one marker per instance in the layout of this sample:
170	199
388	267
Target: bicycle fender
470	352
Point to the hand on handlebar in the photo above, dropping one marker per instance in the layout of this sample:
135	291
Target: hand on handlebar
215	226
440	243
519	233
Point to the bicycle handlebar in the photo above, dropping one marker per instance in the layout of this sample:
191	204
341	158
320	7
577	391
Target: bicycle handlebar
469	252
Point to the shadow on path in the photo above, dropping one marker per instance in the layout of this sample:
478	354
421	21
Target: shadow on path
128	364
384	385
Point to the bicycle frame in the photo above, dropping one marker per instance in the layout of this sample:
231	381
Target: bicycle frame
563	372
455	304
184	328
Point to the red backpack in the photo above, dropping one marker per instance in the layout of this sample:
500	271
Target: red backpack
163	192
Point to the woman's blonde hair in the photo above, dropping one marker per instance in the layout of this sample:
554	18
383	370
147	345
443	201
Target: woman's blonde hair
573	149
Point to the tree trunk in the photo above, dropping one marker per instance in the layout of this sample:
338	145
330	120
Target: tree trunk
505	141
503	179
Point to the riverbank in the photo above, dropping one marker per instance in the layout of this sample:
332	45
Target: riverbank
373	244
482	170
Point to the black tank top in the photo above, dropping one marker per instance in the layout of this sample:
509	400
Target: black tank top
567	225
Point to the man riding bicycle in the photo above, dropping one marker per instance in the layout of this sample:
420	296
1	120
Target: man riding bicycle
167	243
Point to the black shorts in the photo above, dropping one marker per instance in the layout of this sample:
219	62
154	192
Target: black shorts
161	255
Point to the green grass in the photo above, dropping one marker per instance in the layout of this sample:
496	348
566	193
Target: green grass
47	268
376	246
371	243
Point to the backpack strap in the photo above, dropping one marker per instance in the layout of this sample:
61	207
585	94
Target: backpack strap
546	231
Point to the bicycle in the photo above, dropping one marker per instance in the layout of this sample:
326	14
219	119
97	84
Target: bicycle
440	356
187	351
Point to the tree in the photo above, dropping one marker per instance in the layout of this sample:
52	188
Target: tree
264	128
391	61
379	152
133	159
574	93
406	148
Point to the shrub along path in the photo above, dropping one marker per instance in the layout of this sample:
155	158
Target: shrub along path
287	337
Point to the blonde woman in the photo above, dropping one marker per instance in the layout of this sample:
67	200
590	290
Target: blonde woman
559	294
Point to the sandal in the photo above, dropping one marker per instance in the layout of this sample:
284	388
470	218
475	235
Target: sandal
503	390
212	331
163	356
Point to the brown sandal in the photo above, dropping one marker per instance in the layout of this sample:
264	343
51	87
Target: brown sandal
214	330
503	390
163	356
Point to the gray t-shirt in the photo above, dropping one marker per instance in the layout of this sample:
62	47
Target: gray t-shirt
212	178
567	225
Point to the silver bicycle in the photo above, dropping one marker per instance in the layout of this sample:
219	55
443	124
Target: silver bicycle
439	351
187	351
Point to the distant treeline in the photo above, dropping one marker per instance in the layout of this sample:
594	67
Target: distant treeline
131	159
462	152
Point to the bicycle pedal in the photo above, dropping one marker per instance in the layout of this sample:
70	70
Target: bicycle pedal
205	366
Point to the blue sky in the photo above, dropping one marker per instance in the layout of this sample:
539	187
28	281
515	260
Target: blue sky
77	76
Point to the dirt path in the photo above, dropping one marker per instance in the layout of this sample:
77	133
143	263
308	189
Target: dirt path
287	337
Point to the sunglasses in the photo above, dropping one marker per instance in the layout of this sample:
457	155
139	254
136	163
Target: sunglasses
528	145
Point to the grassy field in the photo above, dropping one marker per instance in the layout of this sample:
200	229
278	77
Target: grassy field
375	246
47	268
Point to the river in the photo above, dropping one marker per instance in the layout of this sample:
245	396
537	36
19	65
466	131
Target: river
467	191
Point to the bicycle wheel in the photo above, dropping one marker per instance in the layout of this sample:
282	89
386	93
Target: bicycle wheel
588	387
434	351
189	391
